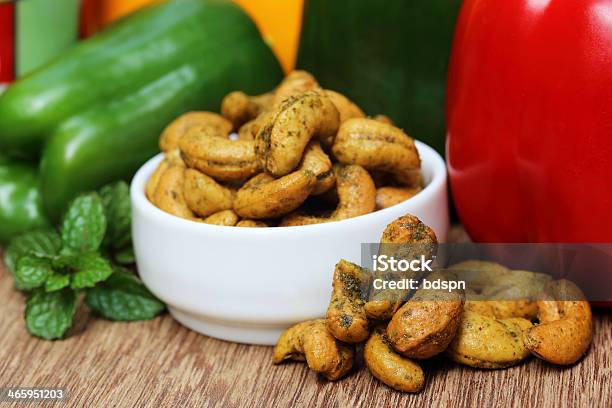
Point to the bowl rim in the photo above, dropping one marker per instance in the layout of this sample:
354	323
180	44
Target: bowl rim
433	162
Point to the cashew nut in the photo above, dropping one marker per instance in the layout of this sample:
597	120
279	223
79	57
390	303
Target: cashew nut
486	342
168	195
346	319
266	197
181	125
240	108
296	83
356	196
425	325
404	238
479	274
389	367
204	196
378	146
346	107
249	130
154	180
566	325
217	156
389	196
251	224
312	342
282	140
226	218
319	163
384	119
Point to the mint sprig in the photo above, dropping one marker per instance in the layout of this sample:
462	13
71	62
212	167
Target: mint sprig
49	315
124	297
40	243
32	272
83	225
53	268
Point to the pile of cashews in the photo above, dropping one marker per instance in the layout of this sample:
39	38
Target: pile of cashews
297	155
504	317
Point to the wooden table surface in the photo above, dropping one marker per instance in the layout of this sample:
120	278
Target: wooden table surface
159	363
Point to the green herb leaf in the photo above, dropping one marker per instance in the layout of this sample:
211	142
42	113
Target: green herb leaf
40	243
90	268
84	225
57	281
116	200
125	256
123	297
32	272
49	314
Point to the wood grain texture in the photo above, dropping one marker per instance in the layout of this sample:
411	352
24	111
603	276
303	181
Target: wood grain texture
159	363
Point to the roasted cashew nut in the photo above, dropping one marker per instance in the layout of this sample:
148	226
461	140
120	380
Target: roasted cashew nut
565	331
265	197
389	196
500	292
404	238
240	108
479	275
282	140
251	224
384	119
319	163
426	324
204	196
154	180
346	319
389	367
486	342
356	196
501	309
217	156
378	146
312	342
168	195
181	125
346	107
296	83
249	130
226	218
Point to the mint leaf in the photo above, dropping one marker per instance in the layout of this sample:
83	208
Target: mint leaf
90	268
123	297
125	256
57	281
49	314
116	200
32	272
84	225
40	243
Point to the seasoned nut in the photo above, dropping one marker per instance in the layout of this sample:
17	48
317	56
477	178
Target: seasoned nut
346	319
312	342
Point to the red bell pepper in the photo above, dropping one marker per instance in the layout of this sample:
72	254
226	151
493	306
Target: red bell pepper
529	113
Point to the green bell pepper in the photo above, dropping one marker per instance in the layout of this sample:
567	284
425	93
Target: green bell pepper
97	112
20	201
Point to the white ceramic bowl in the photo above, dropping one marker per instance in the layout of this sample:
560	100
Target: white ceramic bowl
248	284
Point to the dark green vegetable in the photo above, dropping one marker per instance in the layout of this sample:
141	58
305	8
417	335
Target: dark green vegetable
20	200
388	56
99	109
